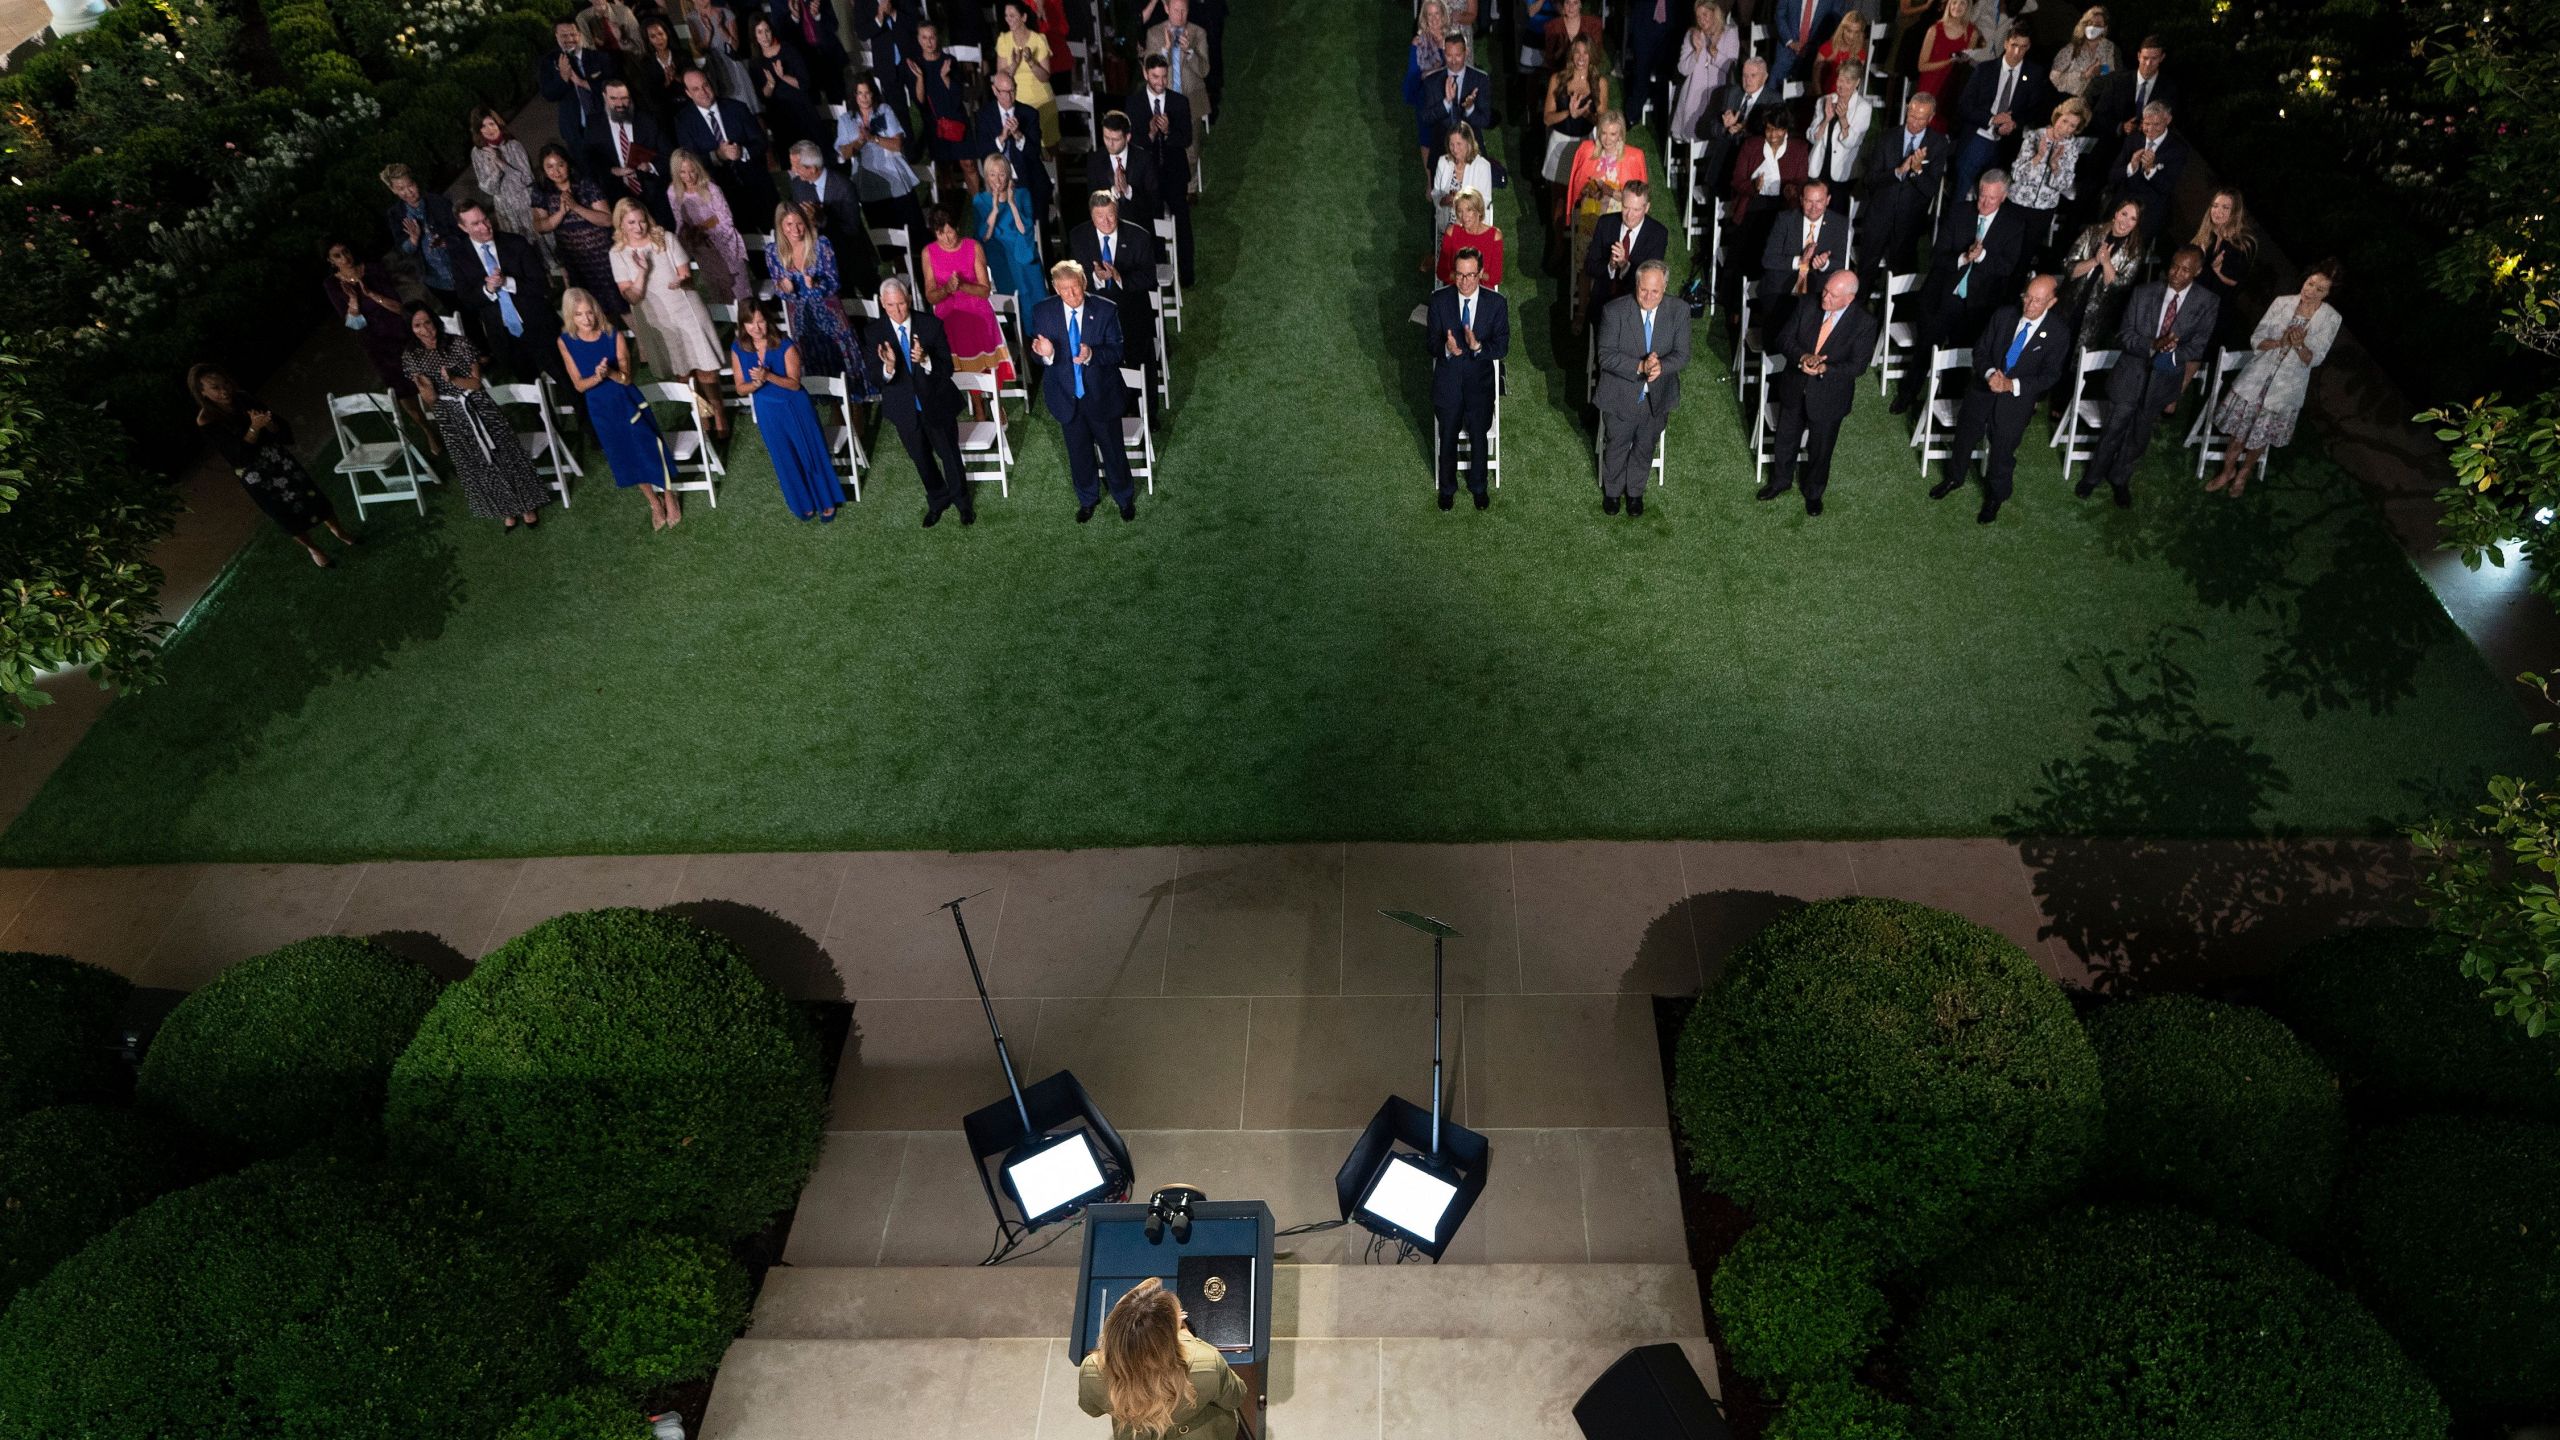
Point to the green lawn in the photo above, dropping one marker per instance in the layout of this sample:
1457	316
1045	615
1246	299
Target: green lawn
1292	643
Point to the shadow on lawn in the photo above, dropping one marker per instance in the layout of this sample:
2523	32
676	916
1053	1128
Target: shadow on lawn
2152	914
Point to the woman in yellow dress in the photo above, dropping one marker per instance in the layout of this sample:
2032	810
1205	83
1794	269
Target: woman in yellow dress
1023	53
1156	1380
1602	166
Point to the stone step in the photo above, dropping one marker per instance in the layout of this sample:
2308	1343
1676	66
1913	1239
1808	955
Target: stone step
1330	1302
1024	1389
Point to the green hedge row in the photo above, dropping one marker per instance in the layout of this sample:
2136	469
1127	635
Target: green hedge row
70	1172
58	1029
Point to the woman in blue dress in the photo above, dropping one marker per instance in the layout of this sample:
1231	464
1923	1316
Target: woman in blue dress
1006	217
802	263
599	361
767	367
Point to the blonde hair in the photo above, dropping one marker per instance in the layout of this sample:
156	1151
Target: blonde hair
686	159
1467	199
2075	106
782	237
2238	234
573	300
629	206
1866	33
1149	1381
1065	268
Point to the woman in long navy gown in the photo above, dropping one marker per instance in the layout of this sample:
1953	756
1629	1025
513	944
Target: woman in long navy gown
599	361
767	367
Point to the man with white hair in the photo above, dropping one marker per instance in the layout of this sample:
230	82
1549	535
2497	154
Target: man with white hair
1119	260
1973	267
826	195
1826	346
1078	338
2148	165
909	360
1644	345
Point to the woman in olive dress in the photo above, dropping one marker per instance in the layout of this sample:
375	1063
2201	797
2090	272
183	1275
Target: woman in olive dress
259	446
498	481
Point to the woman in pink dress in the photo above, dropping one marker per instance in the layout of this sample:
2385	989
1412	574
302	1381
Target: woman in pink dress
956	285
710	236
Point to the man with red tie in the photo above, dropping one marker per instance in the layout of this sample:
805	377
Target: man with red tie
1802	27
2168	325
630	152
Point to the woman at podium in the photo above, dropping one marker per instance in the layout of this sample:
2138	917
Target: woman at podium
1155	1379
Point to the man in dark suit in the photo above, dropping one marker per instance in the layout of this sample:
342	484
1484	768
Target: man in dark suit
1653	32
1737	113
1974	263
1905	167
1827	346
1802	27
573	78
2168	326
1620	246
2021	356
1007	127
909	360
731	142
1160	125
2116	101
628	154
423	230
1643	347
1999	100
1078	339
1119	260
1125	171
828	196
2147	167
889	27
1802	251
1470	329
1459	95
503	289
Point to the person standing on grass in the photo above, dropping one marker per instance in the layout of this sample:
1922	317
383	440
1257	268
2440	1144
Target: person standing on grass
2291	340
2020	356
259	446
1644	345
1470	332
2168	327
909	355
1078	338
497	476
1826	347
766	366
599	363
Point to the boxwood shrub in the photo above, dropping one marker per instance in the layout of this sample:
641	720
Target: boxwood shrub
1905	1072
2221	1109
2152	1322
596	1412
661	1309
2452	1229
1797	1301
614	1071
2391	1010
288	1046
297	1299
69	1172
1839	1410
58	1021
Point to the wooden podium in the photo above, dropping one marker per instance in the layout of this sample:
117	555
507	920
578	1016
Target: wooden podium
1117	1255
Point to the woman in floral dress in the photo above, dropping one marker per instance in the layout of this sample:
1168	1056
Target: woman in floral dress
709	233
260	448
2264	402
499	167
802	263
570	209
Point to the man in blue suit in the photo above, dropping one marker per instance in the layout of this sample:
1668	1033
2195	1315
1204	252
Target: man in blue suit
1802	27
731	142
1470	330
2020	356
1078	339
573	78
1459	95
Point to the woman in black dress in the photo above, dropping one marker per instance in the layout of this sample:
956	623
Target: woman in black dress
2228	245
497	476
259	446
793	109
571	209
360	294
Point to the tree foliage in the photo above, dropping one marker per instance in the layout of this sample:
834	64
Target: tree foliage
2488	878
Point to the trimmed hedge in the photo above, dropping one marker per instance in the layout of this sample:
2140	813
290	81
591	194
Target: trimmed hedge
57	1030
295	1300
1797	1302
68	1173
2390	1008
594	1413
1899	1070
1839	1410
289	1046
2452	1228
661	1309
2220	1109
2153	1322
616	1071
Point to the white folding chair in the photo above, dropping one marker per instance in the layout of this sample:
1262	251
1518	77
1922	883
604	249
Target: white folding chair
1078	133
2216	377
1694	186
1168	273
687	441
452	324
1715	257
1764	421
1009	325
1938	410
550	454
1492	439
983	443
1792	90
2214	445
755	243
1745	371
844	443
1137	432
966	55
395	464
895	238
1894	338
2088	412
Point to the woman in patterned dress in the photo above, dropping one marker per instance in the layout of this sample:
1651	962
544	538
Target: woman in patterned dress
2259	411
569	210
499	167
259	446
497	476
709	233
667	313
802	263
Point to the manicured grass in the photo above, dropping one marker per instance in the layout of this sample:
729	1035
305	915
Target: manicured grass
1292	642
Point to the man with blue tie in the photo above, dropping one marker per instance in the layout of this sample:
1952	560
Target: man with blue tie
2020	357
1120	266
909	358
1978	253
504	292
1078	339
1470	329
1644	345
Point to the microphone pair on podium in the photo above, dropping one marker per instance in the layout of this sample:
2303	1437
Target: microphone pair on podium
1170	1208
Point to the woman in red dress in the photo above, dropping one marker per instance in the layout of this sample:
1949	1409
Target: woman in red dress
1470	232
1953	35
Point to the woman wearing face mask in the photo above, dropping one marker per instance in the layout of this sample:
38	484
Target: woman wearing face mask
2078	65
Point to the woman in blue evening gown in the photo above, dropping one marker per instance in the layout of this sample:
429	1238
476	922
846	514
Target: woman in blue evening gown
599	361
766	365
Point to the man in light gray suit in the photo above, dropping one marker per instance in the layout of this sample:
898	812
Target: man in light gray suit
1644	345
2168	326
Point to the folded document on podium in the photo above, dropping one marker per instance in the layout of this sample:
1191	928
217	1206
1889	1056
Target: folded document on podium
1217	1293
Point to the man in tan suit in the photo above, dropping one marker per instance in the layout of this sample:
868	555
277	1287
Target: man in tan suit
1185	47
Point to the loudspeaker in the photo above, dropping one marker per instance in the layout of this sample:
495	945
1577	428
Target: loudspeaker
1651	1393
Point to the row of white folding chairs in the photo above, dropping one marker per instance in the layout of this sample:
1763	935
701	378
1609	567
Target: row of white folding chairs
385	454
